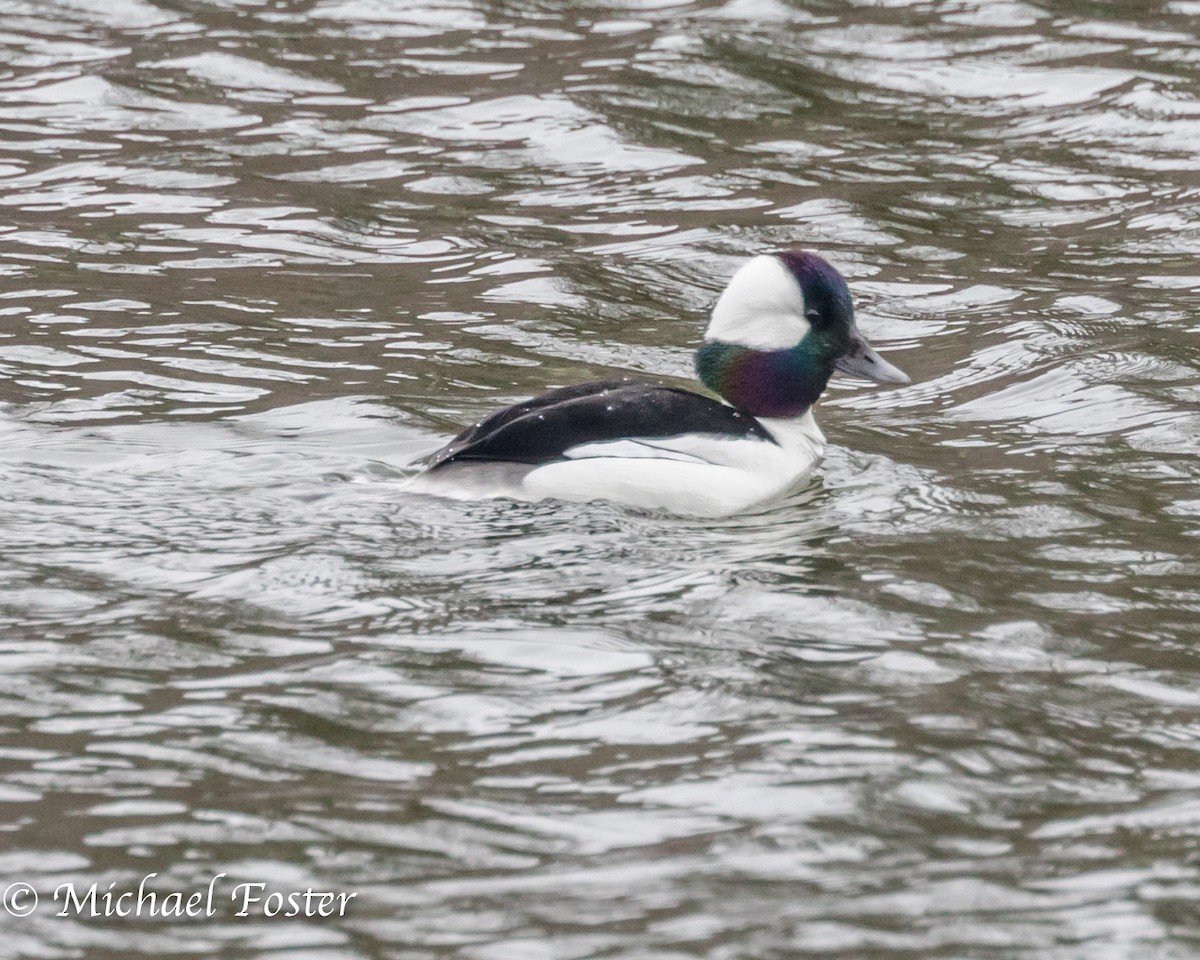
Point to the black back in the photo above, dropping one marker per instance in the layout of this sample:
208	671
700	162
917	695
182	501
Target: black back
542	429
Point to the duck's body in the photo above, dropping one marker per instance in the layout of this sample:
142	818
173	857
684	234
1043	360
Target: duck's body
777	333
637	443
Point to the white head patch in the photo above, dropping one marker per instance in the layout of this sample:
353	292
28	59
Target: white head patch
762	308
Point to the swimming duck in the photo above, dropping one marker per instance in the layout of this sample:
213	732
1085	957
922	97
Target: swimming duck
778	332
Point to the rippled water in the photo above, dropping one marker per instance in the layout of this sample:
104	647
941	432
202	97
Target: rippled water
257	255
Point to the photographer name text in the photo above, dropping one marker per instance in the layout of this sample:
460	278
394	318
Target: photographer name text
248	899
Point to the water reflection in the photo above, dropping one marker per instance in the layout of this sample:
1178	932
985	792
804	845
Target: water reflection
256	258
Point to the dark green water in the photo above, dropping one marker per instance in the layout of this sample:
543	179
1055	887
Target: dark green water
256	255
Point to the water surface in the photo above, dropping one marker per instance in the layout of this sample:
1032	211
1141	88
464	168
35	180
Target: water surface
257	256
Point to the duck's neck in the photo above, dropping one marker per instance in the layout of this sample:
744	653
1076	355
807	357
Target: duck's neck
765	383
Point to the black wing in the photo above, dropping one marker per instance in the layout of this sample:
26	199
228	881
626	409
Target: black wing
542	429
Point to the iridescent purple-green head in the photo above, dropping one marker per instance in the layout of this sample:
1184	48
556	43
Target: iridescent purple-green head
782	327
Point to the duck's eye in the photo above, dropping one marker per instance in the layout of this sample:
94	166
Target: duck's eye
813	316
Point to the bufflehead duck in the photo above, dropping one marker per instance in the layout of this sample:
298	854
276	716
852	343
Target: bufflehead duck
782	326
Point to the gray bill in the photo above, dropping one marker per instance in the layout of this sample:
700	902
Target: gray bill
861	360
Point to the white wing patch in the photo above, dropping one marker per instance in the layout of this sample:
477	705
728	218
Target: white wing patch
638	449
686	448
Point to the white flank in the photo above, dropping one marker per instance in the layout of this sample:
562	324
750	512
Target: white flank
762	308
720	476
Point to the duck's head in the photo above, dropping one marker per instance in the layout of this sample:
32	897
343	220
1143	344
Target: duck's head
778	332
